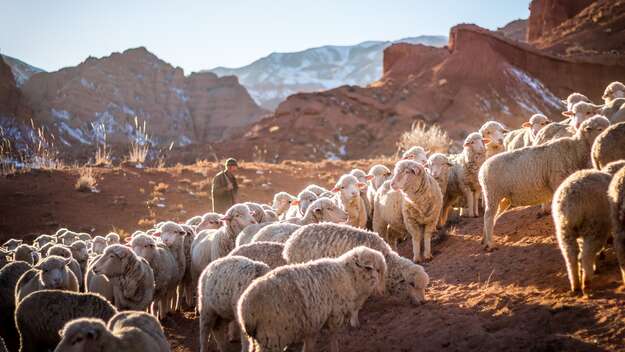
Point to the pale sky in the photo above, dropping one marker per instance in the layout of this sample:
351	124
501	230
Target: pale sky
197	35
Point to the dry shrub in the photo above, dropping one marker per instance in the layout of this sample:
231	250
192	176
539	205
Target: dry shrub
103	152
86	182
432	138
140	145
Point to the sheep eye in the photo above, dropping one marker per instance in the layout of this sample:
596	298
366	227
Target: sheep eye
368	268
402	281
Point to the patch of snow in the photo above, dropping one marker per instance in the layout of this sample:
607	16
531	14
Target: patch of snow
85	83
75	133
184	140
537	86
61	114
180	93
128	111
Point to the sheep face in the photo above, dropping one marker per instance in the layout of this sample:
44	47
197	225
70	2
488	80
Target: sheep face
68	238
282	202
581	112
43	240
573	99
171	233
304	199
99	244
417	154
144	246
79	251
12	244
438	164
210	221
271	216
113	261
84	237
4	257
256	211
370	266
407	172
53	271
112	238
613	91
378	174
59	250
536	123
238	217
26	253
348	187
592	127
474	143
81	336
494	131
325	209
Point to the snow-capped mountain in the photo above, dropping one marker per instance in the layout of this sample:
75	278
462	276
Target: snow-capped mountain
271	79
21	70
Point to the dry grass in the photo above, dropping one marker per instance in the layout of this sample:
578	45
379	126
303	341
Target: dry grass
86	182
102	153
432	138
139	146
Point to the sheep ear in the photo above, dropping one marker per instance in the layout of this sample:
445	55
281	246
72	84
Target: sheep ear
526	125
226	218
156	234
68	260
335	190
60	332
295	202
369	177
568	113
127	239
449	163
361	185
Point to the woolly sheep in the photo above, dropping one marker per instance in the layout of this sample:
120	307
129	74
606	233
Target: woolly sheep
299	206
26	254
173	236
295	302
579	207
80	252
163	266
613	91
574	98
4	257
364	178
269	253
187	286
317	190
194	221
525	136
616	197
68	237
245	236
421	204
83	236
42	240
64	251
11	244
439	167
210	221
278	232
98	244
51	273
220	287
39	328
613	167
378	174
126	332
463	180
257	211
531	175
614	111
388	220
322	209
9	275
580	112
99	284
281	203
406	280
348	190
112	238
131	276
609	146
216	244
417	154
494	133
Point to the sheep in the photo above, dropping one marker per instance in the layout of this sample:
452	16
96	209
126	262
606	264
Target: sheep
43	239
378	173
194	221
278	232
322	209
51	273
112	238
269	253
417	154
98	245
126	332
281	203
609	146
462	181
218	243
187	285
221	285
439	167
614	111
80	252
531	175
173	236
26	254
257	211
613	167
39	328
85	237
579	113
99	284
63	251
613	91
616	198
579	207
9	275
317	190
131	276
421	204
11	244
164	267
295	302
364	178
525	136
299	206
406	280
388	221
4	257
210	221
348	190
68	237
494	132
245	236
574	98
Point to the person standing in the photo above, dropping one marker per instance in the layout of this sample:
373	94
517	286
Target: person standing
225	188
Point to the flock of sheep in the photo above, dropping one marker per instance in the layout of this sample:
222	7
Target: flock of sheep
274	276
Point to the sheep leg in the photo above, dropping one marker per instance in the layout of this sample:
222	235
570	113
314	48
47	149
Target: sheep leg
161	308
334	342
309	344
570	251
619	248
416	233
444	215
188	294
590	247
476	203
208	319
427	240
220	332
354	322
468	197
489	224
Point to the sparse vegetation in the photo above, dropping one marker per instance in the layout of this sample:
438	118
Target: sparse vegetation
86	182
139	145
103	153
432	138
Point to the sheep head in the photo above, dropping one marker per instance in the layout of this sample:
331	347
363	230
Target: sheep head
238	217
53	271
113	261
407	172
378	174
81	335
171	233
348	187
369	265
438	164
417	154
536	123
324	209
494	131
581	112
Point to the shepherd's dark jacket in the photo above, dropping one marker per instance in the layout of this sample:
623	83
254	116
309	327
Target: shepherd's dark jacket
223	199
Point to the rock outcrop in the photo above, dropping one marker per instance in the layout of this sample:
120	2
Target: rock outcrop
546	15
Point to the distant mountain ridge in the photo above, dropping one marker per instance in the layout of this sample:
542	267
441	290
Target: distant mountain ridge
271	79
21	70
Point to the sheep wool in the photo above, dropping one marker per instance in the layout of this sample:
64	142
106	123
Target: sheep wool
616	197
269	253
609	146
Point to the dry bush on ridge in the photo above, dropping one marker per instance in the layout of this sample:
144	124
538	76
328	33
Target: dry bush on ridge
86	182
432	138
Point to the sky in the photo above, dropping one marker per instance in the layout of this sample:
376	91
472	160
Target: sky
197	35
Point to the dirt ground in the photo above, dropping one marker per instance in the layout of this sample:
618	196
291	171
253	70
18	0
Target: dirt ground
514	298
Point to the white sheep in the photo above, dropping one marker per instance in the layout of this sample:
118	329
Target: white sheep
363	178
65	252
131	276
579	113
126	332
277	233
609	146
439	167
417	154
11	244
616	197
530	176
525	136
221	284
494	132
26	254
614	90
68	237
42	240
269	253
51	273
281	203
112	238
9	275
173	236
80	253
378	173
299	205
316	189
245	236
388	220
294	302
573	99
349	198
98	244
322	209
99	284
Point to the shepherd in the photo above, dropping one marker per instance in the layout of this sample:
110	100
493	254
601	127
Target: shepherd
225	188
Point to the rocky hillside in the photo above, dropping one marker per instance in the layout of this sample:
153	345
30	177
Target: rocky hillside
111	91
515	30
271	79
21	70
